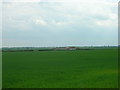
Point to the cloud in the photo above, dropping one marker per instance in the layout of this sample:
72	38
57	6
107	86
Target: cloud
60	23
62	13
113	16
21	0
0	24
83	19
39	21
110	22
104	23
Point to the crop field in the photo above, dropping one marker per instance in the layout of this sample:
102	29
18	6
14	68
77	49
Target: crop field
61	69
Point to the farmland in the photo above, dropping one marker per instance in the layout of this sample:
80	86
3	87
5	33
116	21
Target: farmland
61	69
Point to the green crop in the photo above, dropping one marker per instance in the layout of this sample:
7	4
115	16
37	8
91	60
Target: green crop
61	69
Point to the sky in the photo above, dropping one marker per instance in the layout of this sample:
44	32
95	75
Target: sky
49	23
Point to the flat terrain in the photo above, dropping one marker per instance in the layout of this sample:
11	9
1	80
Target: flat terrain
61	69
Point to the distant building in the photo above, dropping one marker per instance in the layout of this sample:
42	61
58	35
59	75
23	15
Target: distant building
60	48
71	48
66	48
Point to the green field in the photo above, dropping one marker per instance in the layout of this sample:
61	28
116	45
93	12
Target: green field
61	69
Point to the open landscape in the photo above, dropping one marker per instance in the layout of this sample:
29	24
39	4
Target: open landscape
96	68
59	43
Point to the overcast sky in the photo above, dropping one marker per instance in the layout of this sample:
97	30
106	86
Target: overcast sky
60	22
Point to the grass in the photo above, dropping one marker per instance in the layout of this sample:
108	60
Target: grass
61	69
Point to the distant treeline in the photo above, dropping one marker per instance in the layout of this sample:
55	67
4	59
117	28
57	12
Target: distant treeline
25	49
14	49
